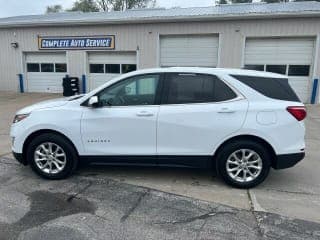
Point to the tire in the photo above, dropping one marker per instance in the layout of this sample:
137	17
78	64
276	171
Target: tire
256	159
63	162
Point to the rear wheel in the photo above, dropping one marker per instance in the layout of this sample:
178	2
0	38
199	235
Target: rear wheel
52	156
243	163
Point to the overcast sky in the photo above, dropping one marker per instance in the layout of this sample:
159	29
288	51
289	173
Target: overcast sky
27	7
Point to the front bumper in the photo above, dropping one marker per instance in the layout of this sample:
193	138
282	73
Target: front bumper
287	160
19	158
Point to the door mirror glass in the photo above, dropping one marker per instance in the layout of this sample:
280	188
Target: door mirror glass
93	101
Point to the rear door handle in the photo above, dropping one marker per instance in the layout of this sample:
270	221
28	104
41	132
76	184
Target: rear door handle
226	110
145	114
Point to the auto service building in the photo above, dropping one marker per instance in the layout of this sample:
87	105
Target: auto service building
39	50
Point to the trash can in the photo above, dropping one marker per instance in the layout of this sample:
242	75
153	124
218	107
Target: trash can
70	86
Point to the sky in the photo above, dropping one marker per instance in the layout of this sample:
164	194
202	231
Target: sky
29	7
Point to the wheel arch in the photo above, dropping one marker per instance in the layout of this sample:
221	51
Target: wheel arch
44	131
260	140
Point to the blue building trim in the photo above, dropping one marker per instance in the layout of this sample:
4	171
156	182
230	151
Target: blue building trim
314	91
84	84
20	76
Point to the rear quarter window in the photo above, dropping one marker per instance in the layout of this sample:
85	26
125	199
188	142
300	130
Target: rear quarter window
276	88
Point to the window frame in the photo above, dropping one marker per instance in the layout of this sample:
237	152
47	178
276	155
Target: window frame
158	92
166	85
101	64
277	65
60	63
109	64
299	65
33	63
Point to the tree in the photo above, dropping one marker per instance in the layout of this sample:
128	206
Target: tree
121	5
110	5
85	6
274	1
241	1
222	2
54	9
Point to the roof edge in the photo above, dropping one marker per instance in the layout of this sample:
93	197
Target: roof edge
166	19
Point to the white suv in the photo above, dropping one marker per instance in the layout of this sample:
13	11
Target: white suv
238	122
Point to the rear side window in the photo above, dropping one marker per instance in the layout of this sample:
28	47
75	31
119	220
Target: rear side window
196	88
277	88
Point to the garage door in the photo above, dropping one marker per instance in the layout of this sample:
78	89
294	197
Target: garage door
45	71
189	51
292	57
105	66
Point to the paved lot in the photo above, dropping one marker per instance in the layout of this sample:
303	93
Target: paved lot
151	203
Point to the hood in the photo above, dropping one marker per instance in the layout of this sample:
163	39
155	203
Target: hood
46	104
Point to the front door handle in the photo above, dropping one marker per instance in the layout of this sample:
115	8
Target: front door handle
145	114
226	110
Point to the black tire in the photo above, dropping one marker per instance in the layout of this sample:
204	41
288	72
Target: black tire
62	142
231	147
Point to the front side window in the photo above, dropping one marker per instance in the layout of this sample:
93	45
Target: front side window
196	88
138	90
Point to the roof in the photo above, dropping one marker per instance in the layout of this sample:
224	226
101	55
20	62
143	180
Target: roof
226	11
229	71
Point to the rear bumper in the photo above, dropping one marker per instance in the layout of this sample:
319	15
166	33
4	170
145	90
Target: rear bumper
19	158
287	160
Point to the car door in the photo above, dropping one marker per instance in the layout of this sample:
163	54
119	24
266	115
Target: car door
124	123
198	111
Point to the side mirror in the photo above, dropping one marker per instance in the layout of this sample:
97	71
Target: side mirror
93	101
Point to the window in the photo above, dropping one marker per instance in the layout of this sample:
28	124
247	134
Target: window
96	68
277	88
139	90
281	69
128	68
254	67
197	88
299	70
113	68
61	67
47	67
33	67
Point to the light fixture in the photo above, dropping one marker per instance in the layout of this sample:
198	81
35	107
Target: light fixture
14	45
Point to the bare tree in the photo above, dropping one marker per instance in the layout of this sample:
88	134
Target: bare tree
104	5
54	9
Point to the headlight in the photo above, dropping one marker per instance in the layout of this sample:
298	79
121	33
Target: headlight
20	117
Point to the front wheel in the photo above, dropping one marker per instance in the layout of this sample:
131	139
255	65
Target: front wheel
52	156
243	164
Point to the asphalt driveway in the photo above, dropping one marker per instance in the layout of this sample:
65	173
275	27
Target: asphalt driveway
151	203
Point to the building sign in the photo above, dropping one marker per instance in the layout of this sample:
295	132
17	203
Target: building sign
63	43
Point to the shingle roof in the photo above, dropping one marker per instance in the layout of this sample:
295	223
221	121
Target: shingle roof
228	11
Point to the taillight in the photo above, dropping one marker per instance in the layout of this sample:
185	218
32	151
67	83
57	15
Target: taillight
299	113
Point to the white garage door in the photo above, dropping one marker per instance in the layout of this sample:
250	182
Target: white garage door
292	57
189	51
105	66
45	71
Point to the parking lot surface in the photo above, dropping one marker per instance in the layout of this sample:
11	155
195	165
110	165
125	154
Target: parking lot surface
155	203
